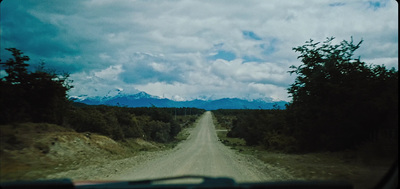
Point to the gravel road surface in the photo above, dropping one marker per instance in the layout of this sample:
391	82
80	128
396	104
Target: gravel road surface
203	154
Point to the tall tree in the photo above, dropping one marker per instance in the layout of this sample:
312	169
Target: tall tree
338	101
39	96
16	68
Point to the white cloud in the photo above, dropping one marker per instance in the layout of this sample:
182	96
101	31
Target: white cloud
100	83
111	73
164	47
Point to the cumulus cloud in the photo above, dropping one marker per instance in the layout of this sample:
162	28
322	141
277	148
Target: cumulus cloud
188	49
100	83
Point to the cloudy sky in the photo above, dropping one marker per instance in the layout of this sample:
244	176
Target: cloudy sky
190	49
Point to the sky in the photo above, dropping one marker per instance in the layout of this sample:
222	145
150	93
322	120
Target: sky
188	49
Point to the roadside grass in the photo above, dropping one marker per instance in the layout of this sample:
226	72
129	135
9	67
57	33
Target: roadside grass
363	167
30	151
135	145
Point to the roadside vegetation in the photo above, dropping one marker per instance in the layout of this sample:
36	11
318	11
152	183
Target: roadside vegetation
339	103
342	123
120	123
36	150
364	165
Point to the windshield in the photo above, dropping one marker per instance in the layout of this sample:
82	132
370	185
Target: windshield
251	90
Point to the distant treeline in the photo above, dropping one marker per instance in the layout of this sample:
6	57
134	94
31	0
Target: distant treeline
41	96
156	124
338	103
268	128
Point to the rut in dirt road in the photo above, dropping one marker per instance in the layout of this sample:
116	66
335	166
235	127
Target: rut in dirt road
200	154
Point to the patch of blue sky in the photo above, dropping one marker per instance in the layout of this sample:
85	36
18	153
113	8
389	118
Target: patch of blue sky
376	4
250	35
225	55
269	48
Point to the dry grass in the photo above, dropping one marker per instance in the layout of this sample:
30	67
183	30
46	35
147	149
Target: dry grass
30	151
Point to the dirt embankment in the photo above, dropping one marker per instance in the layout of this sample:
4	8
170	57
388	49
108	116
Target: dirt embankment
34	151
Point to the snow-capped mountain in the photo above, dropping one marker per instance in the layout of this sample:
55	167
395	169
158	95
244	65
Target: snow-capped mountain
143	95
143	99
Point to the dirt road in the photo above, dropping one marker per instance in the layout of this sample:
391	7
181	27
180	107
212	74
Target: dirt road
200	154
203	154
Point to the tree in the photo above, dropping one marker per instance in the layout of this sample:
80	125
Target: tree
16	68
339	101
38	96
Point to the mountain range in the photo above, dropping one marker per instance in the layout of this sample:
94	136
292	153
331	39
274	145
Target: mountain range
143	99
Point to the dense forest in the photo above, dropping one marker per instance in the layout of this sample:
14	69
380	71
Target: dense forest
40	96
339	103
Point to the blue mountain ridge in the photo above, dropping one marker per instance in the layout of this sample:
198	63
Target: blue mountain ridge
143	99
